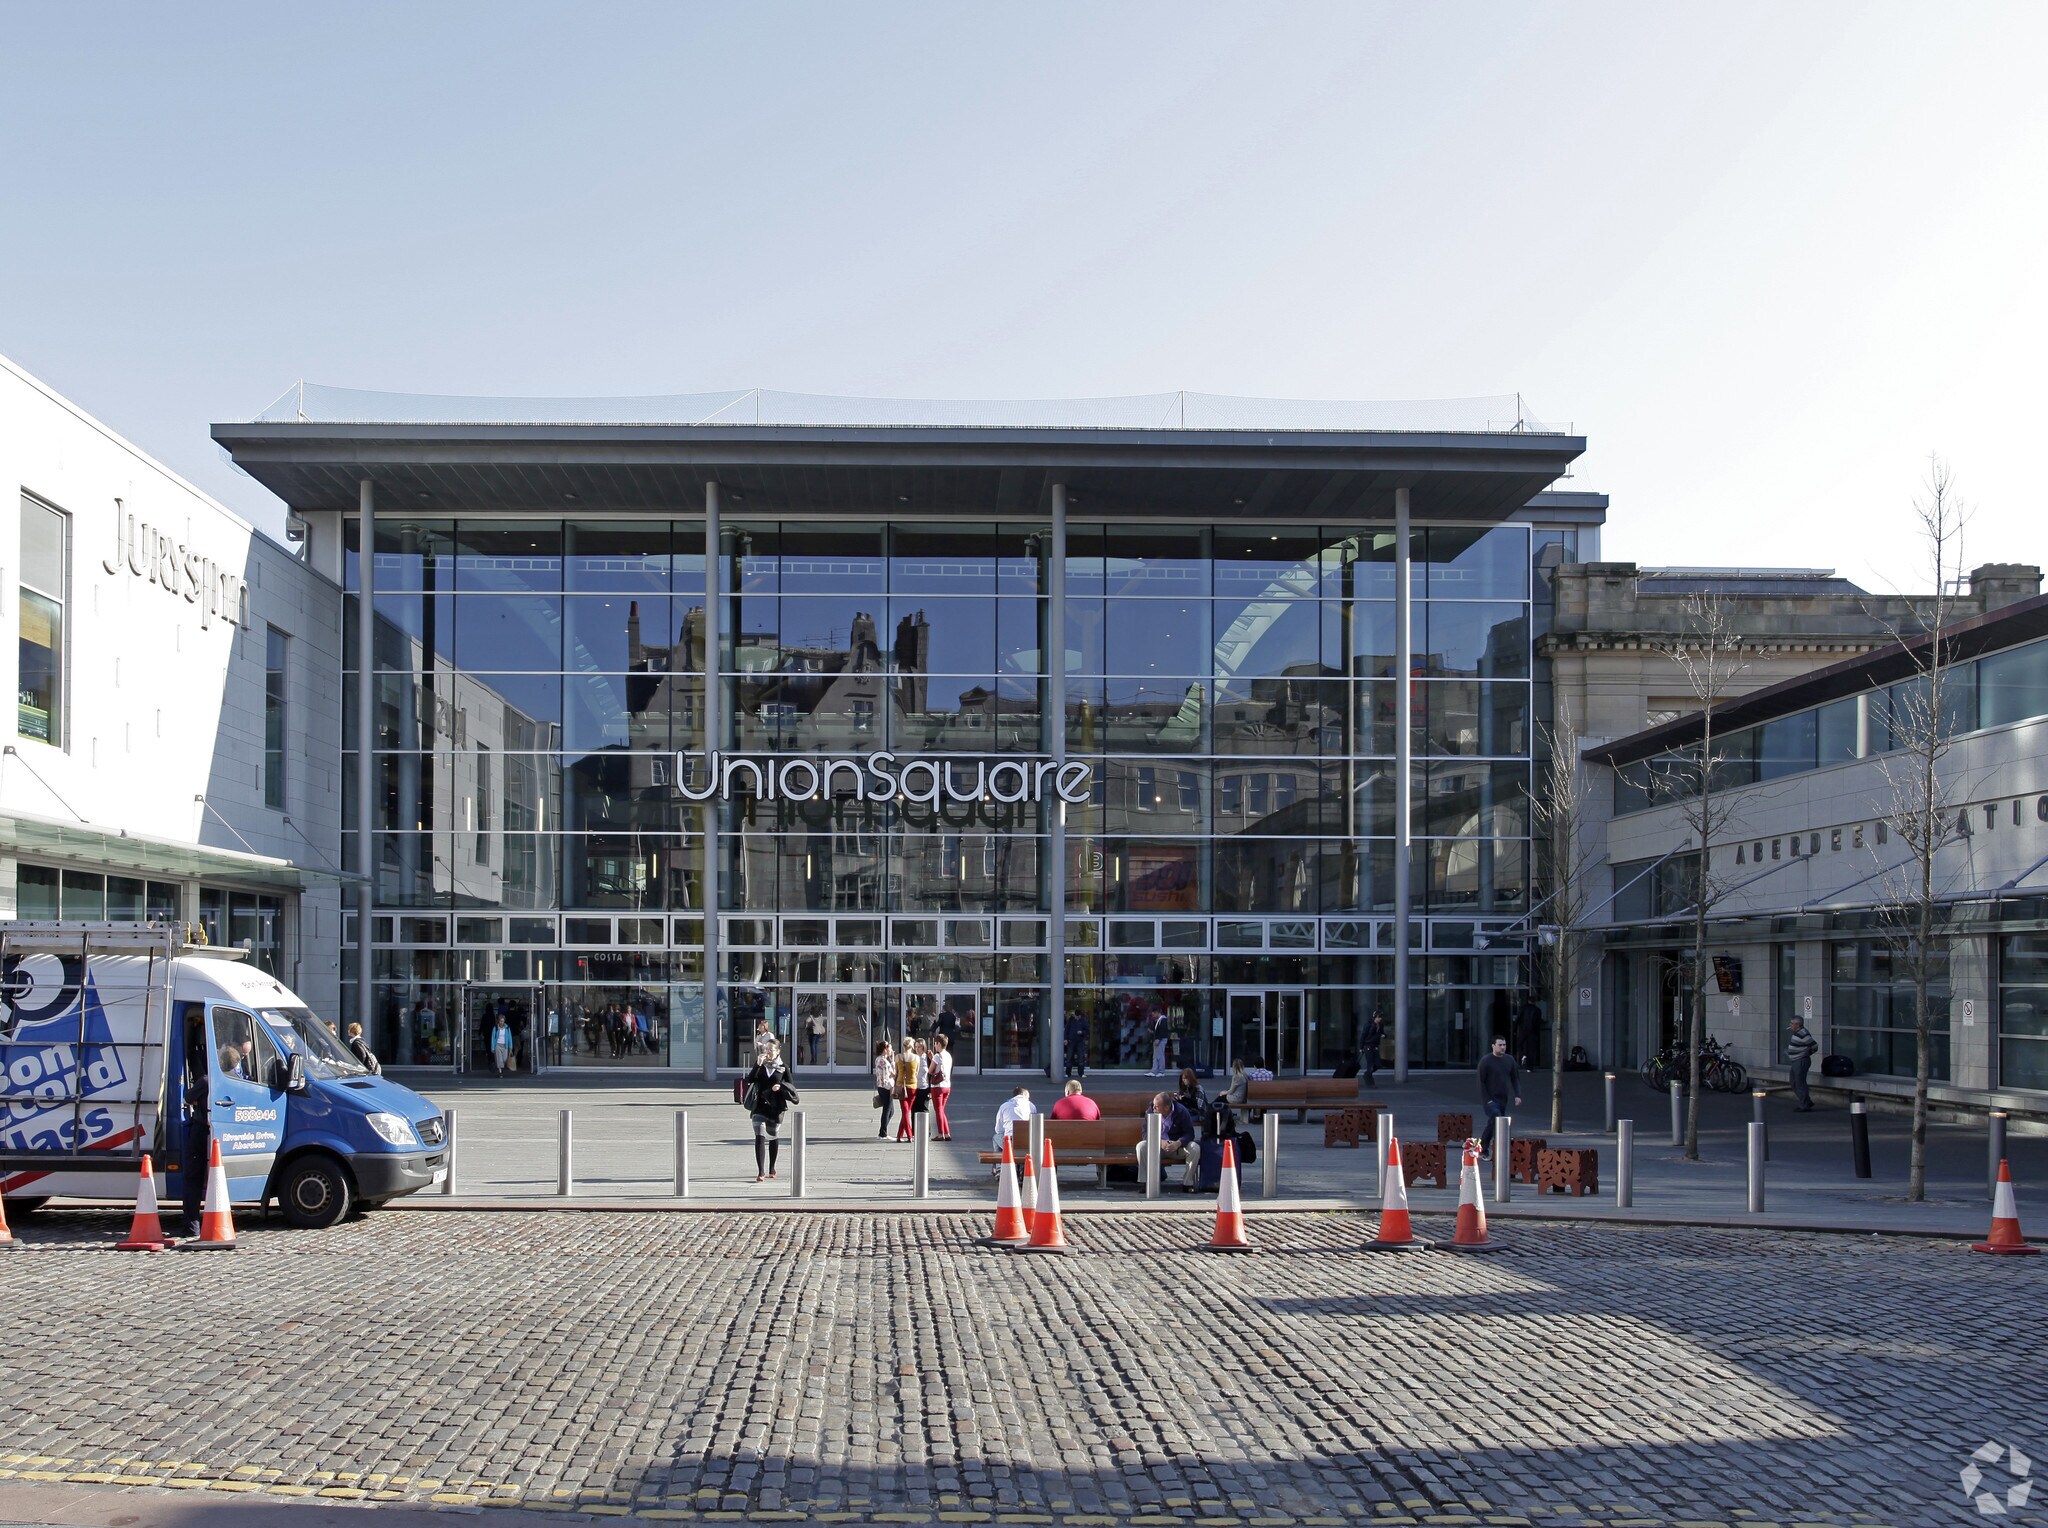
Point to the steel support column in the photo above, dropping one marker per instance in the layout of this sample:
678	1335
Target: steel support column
366	760
714	737
1055	733
1404	785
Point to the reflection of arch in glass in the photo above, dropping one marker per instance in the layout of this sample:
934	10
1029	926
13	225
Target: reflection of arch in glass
1282	596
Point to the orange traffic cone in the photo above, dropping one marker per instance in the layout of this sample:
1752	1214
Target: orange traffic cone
1471	1234
2005	1221
1010	1228
1027	1195
146	1232
1046	1232
1229	1235
1395	1234
216	1220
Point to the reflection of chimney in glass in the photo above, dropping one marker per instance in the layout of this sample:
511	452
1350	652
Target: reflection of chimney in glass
643	681
913	660
864	648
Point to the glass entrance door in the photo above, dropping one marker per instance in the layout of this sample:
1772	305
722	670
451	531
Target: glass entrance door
833	1032
954	1012
490	1007
1269	1029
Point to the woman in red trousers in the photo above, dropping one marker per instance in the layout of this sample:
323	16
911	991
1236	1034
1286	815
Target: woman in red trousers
941	1081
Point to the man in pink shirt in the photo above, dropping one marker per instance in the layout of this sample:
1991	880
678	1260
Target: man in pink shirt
1076	1104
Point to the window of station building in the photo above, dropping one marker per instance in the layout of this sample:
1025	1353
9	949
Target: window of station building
44	585
2023	1011
276	648
42	891
1870	1009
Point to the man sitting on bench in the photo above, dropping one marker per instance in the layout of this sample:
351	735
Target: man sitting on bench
1075	1104
1180	1141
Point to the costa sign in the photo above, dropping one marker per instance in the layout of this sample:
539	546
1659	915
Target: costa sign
881	777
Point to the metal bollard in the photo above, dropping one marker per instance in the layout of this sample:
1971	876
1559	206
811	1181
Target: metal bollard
1503	1150
1152	1164
1859	1137
796	1159
1269	1185
1624	1164
565	1171
448	1149
1756	1168
1677	1114
1379	1179
921	1166
1997	1122
1607	1122
682	1153
1756	1115
1036	1128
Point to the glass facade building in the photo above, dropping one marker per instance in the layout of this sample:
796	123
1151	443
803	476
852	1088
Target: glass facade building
1216	640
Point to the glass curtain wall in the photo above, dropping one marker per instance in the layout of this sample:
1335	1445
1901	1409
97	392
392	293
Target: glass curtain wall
1232	688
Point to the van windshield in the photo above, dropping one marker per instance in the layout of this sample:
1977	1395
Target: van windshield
300	1030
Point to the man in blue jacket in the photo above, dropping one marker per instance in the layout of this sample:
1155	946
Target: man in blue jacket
1500	1085
1179	1140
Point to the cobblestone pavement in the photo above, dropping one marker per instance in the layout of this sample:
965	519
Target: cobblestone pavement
843	1367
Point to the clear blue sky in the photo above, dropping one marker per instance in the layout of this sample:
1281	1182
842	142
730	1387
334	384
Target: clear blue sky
1767	257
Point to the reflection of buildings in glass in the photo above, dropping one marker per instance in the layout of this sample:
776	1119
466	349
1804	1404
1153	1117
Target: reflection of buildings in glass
465	783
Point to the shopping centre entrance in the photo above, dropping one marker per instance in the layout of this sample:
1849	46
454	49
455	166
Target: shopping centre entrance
834	1030
1269	1026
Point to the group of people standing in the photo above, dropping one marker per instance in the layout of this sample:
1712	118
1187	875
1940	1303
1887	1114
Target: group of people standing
915	1080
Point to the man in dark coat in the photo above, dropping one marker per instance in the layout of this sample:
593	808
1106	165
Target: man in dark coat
1500	1086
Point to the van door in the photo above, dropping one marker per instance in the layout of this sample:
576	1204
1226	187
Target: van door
248	1117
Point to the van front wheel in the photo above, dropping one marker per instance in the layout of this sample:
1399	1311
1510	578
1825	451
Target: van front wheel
314	1194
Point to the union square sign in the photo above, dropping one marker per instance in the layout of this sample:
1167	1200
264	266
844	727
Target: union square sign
881	777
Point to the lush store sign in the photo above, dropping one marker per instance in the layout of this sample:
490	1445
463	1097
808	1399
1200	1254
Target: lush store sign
880	777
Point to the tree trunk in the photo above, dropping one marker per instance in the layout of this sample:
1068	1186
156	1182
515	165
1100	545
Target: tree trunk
1560	989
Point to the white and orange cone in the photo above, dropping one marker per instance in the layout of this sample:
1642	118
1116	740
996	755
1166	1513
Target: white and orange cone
1396	1234
1027	1194
216	1220
1047	1235
2005	1221
1010	1228
146	1231
1229	1235
1471	1233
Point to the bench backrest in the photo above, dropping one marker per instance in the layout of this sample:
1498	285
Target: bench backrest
1122	1105
1308	1090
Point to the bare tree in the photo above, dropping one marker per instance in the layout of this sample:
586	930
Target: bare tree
1920	809
1708	654
1558	811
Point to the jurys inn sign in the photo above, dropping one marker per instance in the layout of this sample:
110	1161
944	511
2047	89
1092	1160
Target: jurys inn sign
881	777
177	568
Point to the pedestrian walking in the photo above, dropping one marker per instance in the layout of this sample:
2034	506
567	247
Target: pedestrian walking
501	1045
906	1088
1159	1032
1075	1043
1800	1046
1528	1032
814	1029
1500	1085
921	1093
1369	1040
768	1097
554	1036
196	1152
941	1065
360	1049
885	1084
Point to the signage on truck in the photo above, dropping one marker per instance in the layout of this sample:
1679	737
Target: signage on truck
57	1050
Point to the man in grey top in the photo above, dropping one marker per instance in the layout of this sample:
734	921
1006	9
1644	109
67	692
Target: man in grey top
1799	1048
1500	1085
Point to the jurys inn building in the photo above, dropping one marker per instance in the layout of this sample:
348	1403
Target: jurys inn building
856	717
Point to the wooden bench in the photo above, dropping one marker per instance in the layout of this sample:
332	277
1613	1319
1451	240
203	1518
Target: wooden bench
1454	1127
1424	1159
1301	1094
1097	1143
1349	1126
1523	1153
1124	1105
1571	1170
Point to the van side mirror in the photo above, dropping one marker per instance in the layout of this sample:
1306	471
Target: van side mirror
292	1073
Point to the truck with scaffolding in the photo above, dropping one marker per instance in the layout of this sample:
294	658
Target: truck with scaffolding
113	1034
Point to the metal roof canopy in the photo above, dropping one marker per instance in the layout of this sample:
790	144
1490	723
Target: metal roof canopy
139	854
1167	474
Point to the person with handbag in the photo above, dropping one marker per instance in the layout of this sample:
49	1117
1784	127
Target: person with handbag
885	1084
768	1097
940	1064
921	1090
906	1089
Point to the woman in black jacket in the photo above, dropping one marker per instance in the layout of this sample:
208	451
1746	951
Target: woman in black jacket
768	1097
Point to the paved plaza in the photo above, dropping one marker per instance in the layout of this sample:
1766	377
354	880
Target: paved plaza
855	1367
623	1151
